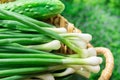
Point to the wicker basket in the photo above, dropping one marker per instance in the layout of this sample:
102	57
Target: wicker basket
60	21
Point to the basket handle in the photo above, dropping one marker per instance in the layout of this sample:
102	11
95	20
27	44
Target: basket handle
107	72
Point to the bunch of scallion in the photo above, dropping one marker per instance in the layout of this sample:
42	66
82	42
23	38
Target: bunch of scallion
28	49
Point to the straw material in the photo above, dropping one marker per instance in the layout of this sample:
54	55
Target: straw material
4	1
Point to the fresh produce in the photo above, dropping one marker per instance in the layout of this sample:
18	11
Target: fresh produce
39	9
31	51
52	34
29	48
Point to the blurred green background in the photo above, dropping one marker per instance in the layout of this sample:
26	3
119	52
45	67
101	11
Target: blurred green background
101	19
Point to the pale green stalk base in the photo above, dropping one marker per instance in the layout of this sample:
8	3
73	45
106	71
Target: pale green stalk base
83	61
83	73
68	71
53	45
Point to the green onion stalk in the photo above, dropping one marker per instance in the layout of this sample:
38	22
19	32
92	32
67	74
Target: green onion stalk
88	52
53	45
25	41
79	69
92	52
69	71
81	36
18	35
8	31
79	43
40	23
84	73
10	24
19	50
17	77
20	38
93	69
36	62
22	71
39	39
29	71
29	55
47	76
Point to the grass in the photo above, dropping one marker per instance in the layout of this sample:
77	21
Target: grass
103	26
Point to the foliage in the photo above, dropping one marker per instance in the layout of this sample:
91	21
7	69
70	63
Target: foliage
103	26
115	6
95	2
72	4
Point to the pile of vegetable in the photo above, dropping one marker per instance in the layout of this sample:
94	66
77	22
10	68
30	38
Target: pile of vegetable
28	46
